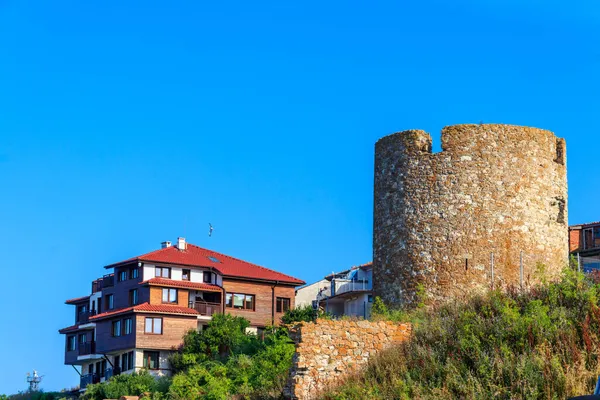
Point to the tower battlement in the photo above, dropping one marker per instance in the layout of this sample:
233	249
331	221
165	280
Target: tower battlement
493	188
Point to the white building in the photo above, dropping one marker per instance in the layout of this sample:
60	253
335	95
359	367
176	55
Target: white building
344	293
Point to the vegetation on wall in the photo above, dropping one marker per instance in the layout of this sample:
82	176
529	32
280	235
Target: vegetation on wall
543	343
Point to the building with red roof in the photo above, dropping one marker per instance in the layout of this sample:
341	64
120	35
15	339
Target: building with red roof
137	315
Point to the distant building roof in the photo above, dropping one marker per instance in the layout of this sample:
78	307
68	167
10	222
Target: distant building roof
343	273
77	300
579	226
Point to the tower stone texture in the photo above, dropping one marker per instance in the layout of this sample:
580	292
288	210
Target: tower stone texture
498	189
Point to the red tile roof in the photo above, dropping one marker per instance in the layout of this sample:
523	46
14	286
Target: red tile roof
147	308
69	329
182	284
196	256
77	300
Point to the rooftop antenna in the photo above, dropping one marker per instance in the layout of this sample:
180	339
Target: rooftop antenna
210	229
34	381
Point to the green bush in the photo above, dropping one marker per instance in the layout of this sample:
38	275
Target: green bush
224	361
539	344
127	385
303	314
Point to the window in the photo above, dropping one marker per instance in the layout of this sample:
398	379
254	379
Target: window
134	273
127	361
283	304
70	343
162	272
133	297
128	324
213	259
82	309
207	277
151	359
169	295
122	276
240	301
185	275
153	326
116	328
99	305
110	303
82	338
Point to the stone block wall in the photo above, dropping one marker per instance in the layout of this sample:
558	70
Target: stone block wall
438	217
328	352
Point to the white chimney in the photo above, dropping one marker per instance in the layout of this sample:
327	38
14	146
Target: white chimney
181	245
164	245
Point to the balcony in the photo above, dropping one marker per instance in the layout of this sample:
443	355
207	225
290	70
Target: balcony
87	348
341	286
88	379
108	281
84	317
110	372
97	285
352	286
206	309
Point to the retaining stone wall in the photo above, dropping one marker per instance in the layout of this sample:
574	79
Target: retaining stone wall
327	352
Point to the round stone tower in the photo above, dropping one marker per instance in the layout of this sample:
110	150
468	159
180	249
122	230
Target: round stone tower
438	218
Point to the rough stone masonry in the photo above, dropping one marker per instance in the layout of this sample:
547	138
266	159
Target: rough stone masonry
328	352
498	189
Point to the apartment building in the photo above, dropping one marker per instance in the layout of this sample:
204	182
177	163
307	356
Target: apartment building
584	244
138	313
349	292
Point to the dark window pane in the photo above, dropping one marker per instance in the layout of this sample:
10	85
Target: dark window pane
249	302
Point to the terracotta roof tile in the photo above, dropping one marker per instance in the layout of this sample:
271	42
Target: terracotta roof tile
182	284
196	256
77	300
69	329
146	307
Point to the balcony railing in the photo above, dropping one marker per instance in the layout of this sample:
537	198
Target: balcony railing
87	348
206	309
345	286
110	372
84	317
108	281
88	379
97	285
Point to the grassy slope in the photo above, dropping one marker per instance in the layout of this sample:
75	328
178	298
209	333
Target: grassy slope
543	344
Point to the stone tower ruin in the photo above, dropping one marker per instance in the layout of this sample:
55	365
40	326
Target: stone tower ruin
498	189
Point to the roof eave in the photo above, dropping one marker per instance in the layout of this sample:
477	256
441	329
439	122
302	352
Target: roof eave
275	281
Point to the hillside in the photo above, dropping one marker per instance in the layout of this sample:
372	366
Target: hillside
539	344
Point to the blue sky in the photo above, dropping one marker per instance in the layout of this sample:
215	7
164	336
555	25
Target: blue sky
123	126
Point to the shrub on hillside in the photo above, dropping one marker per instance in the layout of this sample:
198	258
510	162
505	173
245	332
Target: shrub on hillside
128	385
303	314
224	360
541	344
